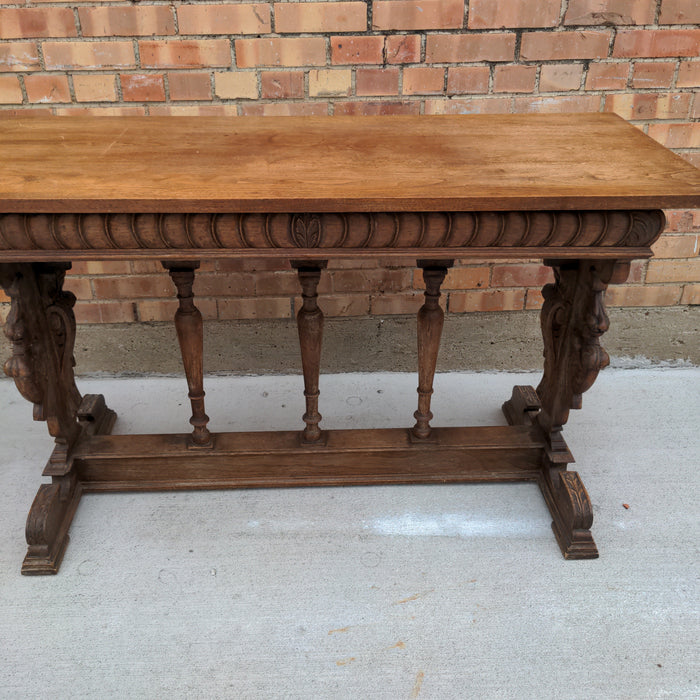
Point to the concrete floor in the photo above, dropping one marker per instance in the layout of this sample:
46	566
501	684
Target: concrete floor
385	592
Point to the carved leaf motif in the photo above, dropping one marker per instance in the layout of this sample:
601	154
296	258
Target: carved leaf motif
306	230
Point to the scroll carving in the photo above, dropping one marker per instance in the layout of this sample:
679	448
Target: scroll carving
41	327
359	230
573	319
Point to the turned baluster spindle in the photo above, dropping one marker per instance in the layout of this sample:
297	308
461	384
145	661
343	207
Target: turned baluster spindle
310	326
430	322
190	335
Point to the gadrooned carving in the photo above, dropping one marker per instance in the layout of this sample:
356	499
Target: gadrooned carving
388	230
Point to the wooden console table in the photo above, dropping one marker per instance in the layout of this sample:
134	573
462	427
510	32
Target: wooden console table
581	191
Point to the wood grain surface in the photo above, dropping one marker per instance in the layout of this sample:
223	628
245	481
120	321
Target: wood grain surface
333	164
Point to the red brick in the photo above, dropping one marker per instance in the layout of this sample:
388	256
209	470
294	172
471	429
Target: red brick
673	270
233	284
688	74
277	85
552	104
637	270
377	81
224	19
642	295
99	312
19	56
236	85
24	23
104	267
650	43
402	48
164	310
147	20
559	77
417	14
465	80
462	48
264	307
301	17
548	46
375	108
356	49
683	220
88	55
373	281
497	14
284	282
80	286
423	80
133	287
533	299
200	110
487	300
307	51
679	12
692	157
334	82
607	76
143	88
653	75
458	278
691	294
10	90
285	109
529	275
649	105
101	111
189	86
94	88
392	304
676	135
485	105
676	246
597	12
514	78
185	53
47	88
335	305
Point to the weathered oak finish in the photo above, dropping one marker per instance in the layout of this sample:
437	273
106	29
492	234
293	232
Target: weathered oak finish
429	325
582	191
190	335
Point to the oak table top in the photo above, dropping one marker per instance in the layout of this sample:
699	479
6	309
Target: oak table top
331	164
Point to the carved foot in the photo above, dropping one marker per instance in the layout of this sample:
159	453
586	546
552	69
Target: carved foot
47	525
94	416
522	407
572	513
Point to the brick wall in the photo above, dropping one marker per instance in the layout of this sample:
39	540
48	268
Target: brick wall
639	58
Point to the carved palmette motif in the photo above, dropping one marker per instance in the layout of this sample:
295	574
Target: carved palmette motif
41	328
360	230
573	319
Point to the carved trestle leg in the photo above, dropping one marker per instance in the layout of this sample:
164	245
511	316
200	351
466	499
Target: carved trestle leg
573	319
430	321
41	327
310	327
190	336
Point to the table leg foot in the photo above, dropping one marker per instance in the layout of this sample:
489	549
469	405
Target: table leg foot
572	513
47	525
94	416
522	407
